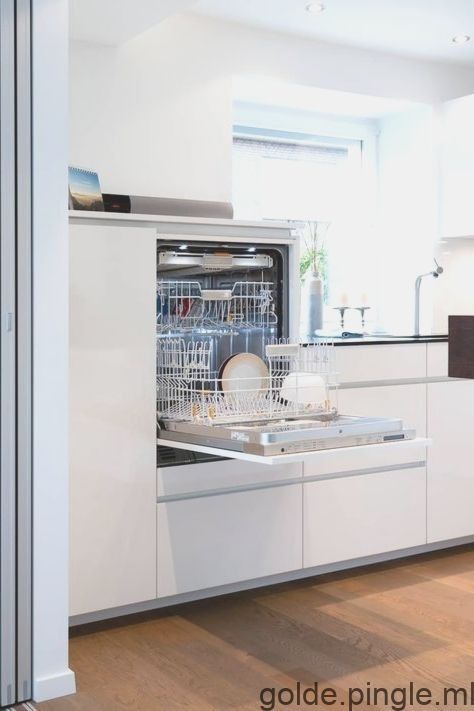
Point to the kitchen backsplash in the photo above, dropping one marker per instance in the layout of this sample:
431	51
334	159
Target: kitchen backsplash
454	291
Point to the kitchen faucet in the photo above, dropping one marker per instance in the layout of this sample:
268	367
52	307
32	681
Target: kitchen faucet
435	273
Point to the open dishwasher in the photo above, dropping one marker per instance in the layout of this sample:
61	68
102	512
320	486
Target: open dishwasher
227	375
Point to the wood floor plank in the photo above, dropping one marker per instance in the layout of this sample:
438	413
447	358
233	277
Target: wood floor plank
383	626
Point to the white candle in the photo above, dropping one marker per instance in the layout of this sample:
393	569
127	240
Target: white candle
344	299
364	300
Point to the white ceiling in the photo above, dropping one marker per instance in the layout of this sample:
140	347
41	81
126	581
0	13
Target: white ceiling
422	28
112	22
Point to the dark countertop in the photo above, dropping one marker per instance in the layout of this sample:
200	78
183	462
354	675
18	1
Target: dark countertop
388	340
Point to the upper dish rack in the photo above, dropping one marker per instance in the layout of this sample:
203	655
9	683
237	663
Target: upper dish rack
300	382
185	306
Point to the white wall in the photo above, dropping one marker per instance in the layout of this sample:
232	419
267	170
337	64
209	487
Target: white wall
154	116
51	676
408	216
455	288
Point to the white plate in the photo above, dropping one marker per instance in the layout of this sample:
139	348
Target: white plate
244	371
303	389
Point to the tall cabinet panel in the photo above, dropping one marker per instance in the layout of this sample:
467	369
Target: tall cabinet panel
112	417
457	168
450	470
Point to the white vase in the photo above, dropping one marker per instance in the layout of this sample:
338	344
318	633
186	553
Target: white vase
313	297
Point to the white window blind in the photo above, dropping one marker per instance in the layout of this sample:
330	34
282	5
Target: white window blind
289	150
288	179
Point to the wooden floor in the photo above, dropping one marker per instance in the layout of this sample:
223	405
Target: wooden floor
386	626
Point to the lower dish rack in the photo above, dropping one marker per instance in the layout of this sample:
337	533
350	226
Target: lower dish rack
291	408
299	381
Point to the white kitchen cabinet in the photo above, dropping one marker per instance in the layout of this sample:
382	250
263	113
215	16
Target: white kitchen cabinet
367	363
437	360
215	476
407	402
214	540
457	168
112	417
450	460
357	516
348	460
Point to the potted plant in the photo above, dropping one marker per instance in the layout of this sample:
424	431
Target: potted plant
313	270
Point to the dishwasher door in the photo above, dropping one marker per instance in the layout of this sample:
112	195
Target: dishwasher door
371	454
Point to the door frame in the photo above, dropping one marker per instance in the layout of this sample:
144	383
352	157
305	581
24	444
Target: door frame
15	353
50	306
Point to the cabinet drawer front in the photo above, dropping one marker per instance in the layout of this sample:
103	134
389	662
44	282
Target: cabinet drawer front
361	516
193	478
437	360
207	542
388	362
407	402
360	458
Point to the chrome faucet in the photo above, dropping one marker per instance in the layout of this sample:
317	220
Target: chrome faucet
435	273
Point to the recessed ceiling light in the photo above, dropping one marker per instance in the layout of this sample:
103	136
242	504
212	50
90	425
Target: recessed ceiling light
315	8
461	39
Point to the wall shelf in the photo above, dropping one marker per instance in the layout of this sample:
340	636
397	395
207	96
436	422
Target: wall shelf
279	232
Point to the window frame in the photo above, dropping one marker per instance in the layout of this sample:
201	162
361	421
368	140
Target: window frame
359	136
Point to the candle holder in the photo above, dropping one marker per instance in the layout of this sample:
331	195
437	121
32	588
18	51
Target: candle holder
362	310
342	311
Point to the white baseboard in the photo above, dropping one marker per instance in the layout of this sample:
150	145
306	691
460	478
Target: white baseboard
52	687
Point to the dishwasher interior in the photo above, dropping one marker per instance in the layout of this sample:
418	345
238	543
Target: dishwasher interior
227	376
252	282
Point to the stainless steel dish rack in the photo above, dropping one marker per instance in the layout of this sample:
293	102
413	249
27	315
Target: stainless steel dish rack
187	306
301	381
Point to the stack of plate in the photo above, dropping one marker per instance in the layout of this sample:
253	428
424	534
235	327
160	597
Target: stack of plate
246	372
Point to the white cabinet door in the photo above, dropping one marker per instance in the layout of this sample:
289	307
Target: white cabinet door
358	516
214	540
407	402
112	417
457	168
450	460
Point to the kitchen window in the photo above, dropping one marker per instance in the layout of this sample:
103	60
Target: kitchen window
291	176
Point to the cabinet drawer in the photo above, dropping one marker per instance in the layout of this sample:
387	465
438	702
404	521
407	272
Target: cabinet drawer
359	516
407	402
437	360
193	478
386	362
216	540
375	457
